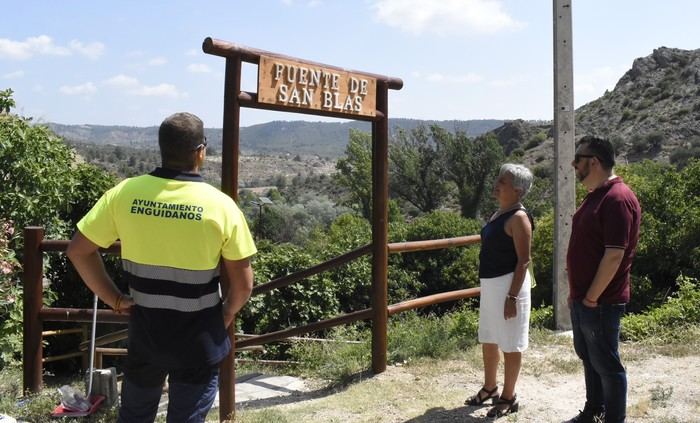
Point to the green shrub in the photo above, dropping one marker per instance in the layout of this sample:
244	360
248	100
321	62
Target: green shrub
627	114
303	302
536	140
447	269
10	298
644	104
542	317
542	251
654	140
681	156
668	321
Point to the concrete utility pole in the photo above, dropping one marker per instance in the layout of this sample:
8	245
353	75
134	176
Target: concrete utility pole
563	155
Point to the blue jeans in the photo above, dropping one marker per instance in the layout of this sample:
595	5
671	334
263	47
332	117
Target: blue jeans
596	337
191	393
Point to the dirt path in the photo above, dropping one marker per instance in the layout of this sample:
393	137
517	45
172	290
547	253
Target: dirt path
662	389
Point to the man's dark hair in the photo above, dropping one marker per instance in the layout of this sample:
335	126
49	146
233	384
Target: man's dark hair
178	137
601	148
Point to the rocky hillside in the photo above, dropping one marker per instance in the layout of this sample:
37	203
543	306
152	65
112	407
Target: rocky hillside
654	108
652	113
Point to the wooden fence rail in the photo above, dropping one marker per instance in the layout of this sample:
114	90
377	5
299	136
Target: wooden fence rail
35	313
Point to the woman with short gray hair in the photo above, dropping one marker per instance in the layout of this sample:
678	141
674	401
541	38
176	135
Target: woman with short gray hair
522	177
504	306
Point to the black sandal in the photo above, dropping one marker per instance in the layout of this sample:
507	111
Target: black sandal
479	400
498	411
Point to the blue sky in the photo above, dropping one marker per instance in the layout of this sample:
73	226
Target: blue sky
134	62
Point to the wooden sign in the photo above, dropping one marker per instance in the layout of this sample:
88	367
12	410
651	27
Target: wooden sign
306	86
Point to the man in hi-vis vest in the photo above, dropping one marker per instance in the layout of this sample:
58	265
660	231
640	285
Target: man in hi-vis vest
175	231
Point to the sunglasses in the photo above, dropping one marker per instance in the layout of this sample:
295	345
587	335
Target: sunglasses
578	157
202	145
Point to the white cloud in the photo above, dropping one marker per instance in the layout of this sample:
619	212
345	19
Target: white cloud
158	61
86	89
22	50
123	81
91	50
198	68
13	75
467	78
133	86
445	17
192	52
160	90
44	45
308	3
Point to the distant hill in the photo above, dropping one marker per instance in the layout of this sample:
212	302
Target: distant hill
325	139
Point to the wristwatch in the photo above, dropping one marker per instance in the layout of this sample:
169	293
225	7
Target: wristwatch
513	298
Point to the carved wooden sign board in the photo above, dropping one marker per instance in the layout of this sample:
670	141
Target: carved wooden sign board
301	85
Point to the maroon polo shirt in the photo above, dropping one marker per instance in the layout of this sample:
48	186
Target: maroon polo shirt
609	217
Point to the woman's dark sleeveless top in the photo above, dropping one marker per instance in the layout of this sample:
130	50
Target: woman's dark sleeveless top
497	256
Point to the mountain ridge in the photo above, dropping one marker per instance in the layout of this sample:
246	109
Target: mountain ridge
326	139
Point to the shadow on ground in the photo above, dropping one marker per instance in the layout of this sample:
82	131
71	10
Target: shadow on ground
441	415
295	396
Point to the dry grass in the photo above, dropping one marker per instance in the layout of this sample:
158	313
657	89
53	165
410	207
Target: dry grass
550	390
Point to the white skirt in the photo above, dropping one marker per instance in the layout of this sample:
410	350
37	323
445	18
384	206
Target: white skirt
510	335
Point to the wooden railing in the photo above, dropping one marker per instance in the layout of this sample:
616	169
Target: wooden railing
35	314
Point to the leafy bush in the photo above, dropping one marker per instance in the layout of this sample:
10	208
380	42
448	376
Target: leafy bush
300	303
627	114
10	298
536	140
35	167
654	140
542	317
668	321
446	269
41	186
670	222
542	251
681	156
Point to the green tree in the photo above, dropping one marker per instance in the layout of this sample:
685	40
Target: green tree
6	101
669	243
40	185
36	173
415	172
355	171
471	164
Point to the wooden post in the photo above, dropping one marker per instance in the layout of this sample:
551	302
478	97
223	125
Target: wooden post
563	155
229	185
32	303
380	214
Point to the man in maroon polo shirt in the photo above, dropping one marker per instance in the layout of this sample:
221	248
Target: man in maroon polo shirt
604	235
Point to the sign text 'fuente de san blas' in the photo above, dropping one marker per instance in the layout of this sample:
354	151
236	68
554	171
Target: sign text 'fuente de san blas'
306	86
